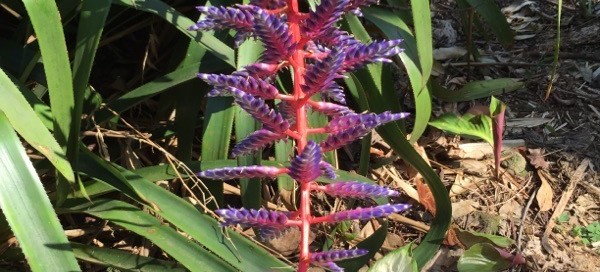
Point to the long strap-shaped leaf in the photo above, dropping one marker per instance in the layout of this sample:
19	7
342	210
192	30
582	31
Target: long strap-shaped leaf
395	28
157	7
28	209
190	254
45	19
91	23
29	126
123	260
238	251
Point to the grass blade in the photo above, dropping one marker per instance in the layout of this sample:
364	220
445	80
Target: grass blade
122	260
29	126
188	253
556	51
28	210
157	7
395	28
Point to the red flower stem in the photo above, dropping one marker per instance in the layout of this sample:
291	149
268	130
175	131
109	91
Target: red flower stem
320	130
297	63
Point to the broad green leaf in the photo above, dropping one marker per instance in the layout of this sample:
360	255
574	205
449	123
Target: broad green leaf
28	210
153	88
491	13
185	251
91	23
478	89
218	124
479	127
482	257
231	246
123	260
46	22
245	124
182	23
470	238
30	127
395	28
45	18
422	21
399	260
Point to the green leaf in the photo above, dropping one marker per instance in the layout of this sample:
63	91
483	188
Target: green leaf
231	246
395	28
245	124
28	210
399	260
422	21
45	19
491	13
48	28
182	23
122	260
218	124
479	126
30	127
154	87
470	238
482	257
478	89
185	251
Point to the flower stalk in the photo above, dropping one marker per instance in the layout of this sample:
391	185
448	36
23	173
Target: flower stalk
317	53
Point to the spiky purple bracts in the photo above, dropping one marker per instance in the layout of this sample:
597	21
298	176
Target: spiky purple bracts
319	53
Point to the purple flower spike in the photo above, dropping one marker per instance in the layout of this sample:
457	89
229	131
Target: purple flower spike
261	70
253	218
362	54
253	86
333	267
274	34
218	18
255	171
358	190
306	166
335	92
336	255
259	110
369	120
287	111
337	140
338	38
322	74
258	139
368	213
323	18
355	5
330	109
328	170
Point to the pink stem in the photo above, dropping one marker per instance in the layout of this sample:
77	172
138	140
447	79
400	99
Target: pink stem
297	64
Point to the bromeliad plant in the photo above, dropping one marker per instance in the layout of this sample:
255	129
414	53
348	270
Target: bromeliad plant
318	53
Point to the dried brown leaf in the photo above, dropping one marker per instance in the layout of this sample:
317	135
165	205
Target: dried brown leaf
545	194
